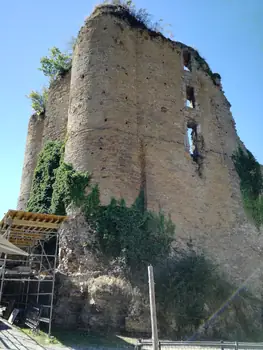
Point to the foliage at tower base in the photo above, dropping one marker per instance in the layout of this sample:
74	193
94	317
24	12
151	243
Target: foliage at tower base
112	246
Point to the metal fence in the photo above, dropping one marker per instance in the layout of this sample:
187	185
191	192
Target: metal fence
197	345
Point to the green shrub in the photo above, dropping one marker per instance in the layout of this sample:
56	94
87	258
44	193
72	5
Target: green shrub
57	63
39	101
251	184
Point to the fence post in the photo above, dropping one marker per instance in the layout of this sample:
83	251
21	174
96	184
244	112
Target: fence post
138	346
153	309
222	346
236	345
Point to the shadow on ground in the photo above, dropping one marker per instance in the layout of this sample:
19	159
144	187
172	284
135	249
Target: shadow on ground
84	340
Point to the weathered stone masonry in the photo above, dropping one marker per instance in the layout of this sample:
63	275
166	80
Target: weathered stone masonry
124	107
48	127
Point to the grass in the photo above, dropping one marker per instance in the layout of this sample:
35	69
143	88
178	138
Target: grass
77	338
41	337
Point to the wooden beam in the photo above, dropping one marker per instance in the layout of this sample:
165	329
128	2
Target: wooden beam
26	236
23	243
22	230
30	223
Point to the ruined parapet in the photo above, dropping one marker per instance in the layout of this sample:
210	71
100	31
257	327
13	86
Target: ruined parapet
33	147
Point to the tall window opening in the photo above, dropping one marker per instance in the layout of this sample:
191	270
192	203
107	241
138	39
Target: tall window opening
190	97
190	140
195	145
187	60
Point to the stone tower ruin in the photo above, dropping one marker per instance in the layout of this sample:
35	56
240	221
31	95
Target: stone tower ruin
140	111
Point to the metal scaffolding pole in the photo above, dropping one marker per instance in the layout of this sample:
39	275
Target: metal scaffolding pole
3	268
38	285
53	287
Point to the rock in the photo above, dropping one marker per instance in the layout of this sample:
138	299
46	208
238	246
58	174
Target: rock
77	242
68	303
94	293
108	303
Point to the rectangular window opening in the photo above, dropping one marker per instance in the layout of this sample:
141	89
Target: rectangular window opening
190	98
187	60
190	140
192	133
194	144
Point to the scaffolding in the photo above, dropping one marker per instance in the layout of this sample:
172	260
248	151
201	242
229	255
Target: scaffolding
30	279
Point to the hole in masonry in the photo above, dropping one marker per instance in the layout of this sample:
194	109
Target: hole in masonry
187	60
190	97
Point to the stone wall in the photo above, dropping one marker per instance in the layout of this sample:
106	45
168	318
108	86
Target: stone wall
48	127
127	123
57	109
96	293
33	147
128	126
103	113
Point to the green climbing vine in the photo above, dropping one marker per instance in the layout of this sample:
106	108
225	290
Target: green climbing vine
44	178
55	183
134	233
139	237
251	184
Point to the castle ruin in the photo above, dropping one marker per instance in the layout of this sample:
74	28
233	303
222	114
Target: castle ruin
140	111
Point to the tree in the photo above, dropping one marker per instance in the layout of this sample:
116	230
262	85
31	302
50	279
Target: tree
56	64
39	100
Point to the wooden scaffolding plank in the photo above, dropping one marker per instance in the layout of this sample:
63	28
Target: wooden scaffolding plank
30	223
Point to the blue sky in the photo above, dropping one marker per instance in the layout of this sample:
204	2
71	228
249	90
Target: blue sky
228	33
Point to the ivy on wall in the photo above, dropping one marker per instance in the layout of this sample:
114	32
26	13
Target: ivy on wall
69	185
44	178
251	184
123	232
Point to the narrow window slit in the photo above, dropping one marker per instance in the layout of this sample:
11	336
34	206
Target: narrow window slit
187	61
195	144
192	144
190	141
190	97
